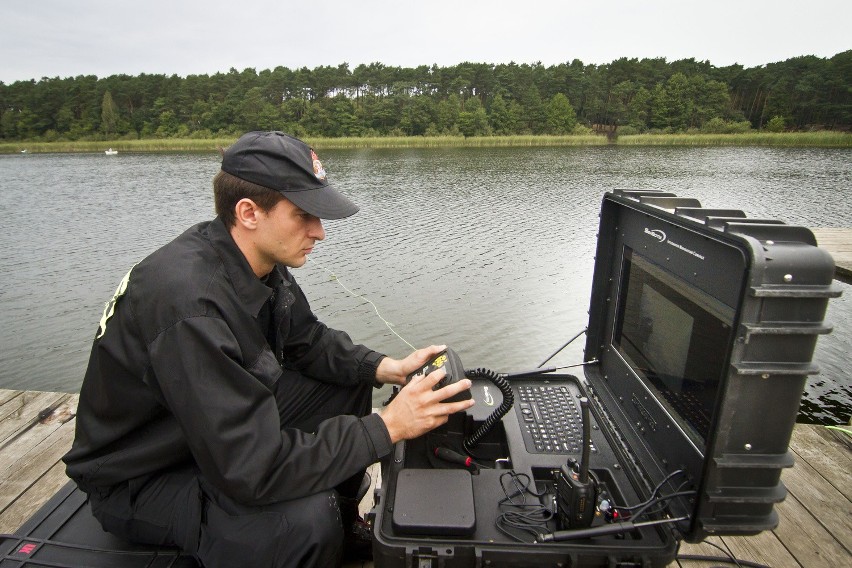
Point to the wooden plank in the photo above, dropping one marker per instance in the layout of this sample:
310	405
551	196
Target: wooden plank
838	242
834	238
825	455
764	548
6	395
13	405
30	452
13	448
36	495
829	506
837	436
23	411
13	488
806	538
31	455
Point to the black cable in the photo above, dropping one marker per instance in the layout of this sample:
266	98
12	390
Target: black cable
530	522
660	499
678	490
723	551
653	493
530	518
508	400
728	560
555	353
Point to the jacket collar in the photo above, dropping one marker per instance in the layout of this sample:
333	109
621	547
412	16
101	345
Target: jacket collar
250	289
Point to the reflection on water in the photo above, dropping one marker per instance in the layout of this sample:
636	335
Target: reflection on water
488	250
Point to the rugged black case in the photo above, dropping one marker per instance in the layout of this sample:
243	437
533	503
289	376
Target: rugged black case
780	282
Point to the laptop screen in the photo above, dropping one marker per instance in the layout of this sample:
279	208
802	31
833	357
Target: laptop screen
675	338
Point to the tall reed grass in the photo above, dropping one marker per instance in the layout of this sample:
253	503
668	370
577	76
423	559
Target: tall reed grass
827	139
146	145
457	141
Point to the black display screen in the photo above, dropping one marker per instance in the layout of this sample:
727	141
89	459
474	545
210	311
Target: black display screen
675	337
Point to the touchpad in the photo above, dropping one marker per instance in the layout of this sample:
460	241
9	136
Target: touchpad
434	502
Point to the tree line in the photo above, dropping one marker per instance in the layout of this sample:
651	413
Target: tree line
468	99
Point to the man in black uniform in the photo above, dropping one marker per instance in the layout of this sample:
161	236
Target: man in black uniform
217	413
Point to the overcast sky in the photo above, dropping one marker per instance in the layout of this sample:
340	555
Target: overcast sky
64	38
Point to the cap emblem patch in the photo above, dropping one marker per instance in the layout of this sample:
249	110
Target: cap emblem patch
319	171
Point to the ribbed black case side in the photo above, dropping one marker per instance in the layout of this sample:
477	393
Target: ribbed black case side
782	304
782	314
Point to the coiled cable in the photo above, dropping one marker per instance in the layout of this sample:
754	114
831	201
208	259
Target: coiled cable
508	400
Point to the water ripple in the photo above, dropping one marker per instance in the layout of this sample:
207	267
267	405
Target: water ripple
489	249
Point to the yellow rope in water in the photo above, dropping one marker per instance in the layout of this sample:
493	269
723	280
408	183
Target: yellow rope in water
375	308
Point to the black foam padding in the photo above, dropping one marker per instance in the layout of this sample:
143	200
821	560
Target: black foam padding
434	502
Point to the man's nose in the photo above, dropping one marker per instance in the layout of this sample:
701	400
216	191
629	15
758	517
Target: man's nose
316	230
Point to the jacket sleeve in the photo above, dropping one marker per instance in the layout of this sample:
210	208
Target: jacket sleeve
231	423
318	351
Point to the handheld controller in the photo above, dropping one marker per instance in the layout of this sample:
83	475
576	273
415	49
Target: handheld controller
450	362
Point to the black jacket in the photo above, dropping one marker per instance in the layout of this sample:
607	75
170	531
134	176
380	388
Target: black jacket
180	374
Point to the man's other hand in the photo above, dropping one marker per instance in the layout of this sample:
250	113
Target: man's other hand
394	371
417	408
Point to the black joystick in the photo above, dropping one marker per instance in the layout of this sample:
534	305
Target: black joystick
450	362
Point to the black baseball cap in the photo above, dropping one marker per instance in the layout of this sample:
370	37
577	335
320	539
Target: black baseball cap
286	164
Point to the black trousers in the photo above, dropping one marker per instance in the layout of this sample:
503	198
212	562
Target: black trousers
181	508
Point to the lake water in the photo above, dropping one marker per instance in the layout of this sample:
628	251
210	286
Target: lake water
487	250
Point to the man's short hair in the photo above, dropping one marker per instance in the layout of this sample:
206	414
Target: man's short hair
229	189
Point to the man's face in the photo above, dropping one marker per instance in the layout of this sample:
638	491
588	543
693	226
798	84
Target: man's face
286	234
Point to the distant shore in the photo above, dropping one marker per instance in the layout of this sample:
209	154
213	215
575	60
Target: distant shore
821	139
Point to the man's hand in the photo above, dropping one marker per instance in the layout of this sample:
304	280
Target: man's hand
394	371
417	409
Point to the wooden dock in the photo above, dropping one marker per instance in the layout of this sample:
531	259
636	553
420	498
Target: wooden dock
37	428
838	242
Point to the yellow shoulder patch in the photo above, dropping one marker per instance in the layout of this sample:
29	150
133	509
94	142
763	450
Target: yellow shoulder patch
109	308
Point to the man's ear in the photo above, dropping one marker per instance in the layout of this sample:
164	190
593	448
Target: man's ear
246	213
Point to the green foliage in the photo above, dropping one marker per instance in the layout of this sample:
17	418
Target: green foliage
628	130
468	99
473	121
561	117
504	116
776	124
721	126
534	116
109	115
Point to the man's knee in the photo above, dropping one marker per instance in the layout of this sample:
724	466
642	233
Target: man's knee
302	532
316	520
304	402
163	510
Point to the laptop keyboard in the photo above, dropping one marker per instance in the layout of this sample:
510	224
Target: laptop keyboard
549	416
